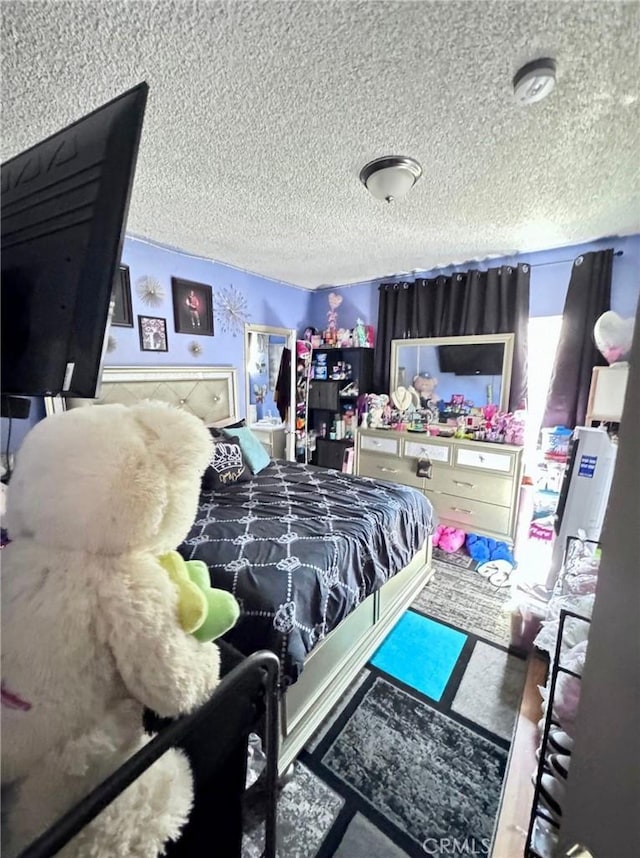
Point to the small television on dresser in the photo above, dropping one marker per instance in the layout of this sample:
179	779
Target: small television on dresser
64	210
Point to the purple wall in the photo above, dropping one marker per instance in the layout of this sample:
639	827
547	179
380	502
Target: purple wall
550	274
269	302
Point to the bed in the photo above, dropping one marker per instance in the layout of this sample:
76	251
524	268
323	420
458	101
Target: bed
319	582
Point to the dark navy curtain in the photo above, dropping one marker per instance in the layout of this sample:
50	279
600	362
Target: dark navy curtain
476	302
588	297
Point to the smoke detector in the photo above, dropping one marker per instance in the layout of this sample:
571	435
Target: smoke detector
534	81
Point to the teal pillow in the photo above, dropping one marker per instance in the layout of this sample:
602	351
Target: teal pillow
254	453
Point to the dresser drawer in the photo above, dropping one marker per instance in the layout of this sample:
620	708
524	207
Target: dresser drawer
489	488
473	457
471	515
388	468
390	446
436	452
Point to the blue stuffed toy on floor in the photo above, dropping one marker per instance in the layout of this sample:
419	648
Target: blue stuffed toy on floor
481	549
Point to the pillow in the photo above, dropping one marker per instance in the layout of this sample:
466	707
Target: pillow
255	454
227	465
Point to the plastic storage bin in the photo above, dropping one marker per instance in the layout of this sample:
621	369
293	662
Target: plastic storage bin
555	443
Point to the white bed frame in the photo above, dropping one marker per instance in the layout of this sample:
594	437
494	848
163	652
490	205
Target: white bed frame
212	394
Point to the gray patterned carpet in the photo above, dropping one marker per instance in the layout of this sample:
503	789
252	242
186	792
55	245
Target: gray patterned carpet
392	773
466	600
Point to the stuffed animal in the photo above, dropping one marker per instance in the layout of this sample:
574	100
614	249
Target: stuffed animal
91	622
426	385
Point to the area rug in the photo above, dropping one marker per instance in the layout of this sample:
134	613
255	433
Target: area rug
467	601
455	558
424	772
413	757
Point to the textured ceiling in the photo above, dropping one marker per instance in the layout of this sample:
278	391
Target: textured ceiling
261	115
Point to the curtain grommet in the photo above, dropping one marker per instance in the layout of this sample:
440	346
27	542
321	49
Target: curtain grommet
579	260
525	268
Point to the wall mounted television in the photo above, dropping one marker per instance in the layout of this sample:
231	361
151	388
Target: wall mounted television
64	210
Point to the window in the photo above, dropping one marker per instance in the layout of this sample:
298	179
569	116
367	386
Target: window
544	333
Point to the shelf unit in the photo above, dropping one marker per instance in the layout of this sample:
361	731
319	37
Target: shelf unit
543	829
329	396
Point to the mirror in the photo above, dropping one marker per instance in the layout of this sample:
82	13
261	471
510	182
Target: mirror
452	371
267	392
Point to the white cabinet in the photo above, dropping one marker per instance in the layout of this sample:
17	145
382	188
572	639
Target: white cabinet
606	394
272	438
474	485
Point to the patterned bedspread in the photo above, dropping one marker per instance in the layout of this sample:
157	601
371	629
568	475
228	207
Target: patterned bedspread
300	547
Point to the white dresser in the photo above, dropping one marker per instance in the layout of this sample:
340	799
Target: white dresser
272	438
474	485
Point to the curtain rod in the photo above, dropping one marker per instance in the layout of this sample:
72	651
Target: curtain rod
562	261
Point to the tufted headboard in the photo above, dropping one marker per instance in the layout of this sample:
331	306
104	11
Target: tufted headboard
211	393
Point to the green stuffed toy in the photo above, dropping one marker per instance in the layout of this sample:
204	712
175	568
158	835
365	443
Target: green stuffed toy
203	611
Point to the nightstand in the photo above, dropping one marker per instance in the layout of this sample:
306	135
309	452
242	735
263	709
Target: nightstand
272	438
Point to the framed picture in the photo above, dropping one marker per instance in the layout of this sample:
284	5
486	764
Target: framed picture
192	307
122	314
153	334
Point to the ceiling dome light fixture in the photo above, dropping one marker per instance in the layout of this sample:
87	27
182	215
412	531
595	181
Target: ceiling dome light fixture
390	177
535	81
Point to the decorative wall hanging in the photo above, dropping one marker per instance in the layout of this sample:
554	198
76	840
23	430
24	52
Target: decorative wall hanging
232	310
121	295
150	291
331	334
192	307
153	334
112	343
195	349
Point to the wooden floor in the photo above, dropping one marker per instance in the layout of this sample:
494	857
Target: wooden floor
517	796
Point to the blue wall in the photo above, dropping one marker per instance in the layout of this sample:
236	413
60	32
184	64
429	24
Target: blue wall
269	302
550	274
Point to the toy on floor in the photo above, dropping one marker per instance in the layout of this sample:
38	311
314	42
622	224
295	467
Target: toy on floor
92	622
482	548
449	539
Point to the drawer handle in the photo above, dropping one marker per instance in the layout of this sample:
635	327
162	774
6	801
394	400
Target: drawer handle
377	443
462	483
459	509
389	470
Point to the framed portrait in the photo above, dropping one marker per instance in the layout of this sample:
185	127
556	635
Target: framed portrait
122	314
153	334
192	307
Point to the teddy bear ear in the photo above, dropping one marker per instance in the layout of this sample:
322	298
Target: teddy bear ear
182	440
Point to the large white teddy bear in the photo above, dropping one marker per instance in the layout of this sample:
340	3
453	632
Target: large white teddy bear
90	633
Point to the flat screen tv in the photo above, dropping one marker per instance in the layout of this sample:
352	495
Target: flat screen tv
64	211
472	358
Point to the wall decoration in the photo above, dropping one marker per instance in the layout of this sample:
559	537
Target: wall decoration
121	295
112	343
195	348
153	334
150	291
192	307
232	310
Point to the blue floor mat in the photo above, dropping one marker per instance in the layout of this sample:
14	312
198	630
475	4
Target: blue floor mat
421	653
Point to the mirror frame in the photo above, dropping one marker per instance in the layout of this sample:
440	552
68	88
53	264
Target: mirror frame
507	360
289	335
